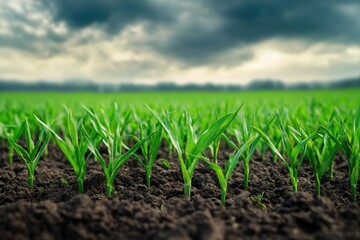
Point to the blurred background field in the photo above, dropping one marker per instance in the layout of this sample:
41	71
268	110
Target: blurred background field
272	99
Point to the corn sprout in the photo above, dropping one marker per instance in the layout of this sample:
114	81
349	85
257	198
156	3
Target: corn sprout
348	141
292	151
224	175
320	154
189	155
74	146
114	143
149	149
32	153
242	137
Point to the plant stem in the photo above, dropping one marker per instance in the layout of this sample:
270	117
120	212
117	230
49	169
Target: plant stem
317	183
148	179
223	195
216	152
109	189
294	184
46	152
11	155
80	185
31	179
274	157
187	189
246	176
353	192
170	151
262	155
331	170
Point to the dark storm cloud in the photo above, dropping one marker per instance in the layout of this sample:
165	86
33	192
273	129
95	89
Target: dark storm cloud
202	31
113	15
248	22
255	20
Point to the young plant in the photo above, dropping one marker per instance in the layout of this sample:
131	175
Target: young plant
330	144
348	141
292	151
242	137
32	153
149	149
214	149
224	175
319	154
257	200
189	153
3	138
46	113
114	143
215	146
14	132
74	146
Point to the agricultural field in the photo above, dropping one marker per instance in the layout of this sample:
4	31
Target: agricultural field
176	165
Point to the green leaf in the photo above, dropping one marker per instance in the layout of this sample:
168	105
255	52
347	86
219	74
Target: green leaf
191	137
72	129
123	158
29	141
211	134
219	173
167	126
155	144
229	142
97	154
49	128
165	163
344	144
271	145
234	158
20	150
43	142
66	147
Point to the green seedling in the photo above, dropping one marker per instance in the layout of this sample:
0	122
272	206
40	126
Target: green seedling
74	146
224	175
320	154
257	200
348	141
33	152
149	149
243	137
292	150
114	143
188	155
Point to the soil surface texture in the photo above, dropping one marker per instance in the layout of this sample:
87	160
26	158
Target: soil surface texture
53	209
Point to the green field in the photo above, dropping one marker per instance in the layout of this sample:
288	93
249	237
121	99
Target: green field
295	126
279	98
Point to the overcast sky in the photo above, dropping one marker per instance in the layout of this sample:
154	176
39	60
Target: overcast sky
146	41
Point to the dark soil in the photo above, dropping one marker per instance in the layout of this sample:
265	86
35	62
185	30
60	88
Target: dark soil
52	209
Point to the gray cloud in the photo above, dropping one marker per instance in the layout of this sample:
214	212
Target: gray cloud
112	15
241	23
251	21
27	33
193	32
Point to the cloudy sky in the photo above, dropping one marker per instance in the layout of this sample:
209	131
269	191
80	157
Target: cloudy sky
146	41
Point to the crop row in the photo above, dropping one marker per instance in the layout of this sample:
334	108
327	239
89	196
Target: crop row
310	133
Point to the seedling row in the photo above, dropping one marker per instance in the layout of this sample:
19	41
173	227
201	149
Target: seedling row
312	133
